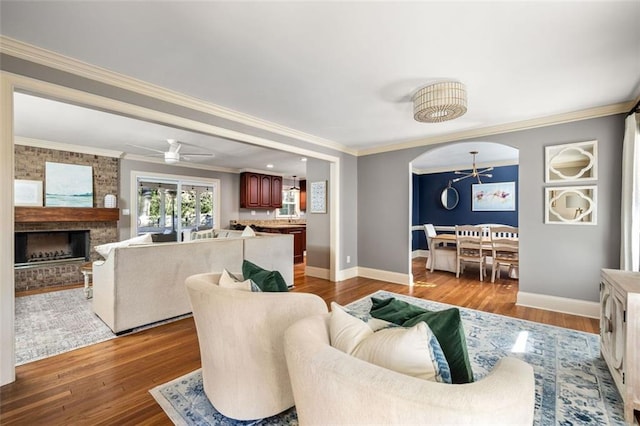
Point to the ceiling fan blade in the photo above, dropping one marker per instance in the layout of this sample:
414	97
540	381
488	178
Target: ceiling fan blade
196	155
147	148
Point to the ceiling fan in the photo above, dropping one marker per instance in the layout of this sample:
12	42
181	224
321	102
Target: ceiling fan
474	172
173	155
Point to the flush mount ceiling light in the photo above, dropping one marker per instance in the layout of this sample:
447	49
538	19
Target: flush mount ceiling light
440	102
474	172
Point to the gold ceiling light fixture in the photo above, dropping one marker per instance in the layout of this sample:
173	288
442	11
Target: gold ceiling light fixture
439	102
474	172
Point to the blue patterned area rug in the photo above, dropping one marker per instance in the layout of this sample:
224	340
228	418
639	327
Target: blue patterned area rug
573	384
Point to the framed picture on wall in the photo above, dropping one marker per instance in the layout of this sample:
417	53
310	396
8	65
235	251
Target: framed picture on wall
68	185
493	197
318	192
27	192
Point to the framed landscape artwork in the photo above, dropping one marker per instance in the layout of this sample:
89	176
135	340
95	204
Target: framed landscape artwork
68	185
492	197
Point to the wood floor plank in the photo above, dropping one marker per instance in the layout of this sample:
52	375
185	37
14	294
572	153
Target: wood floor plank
108	383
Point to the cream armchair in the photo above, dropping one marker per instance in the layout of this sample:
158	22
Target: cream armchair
241	334
331	387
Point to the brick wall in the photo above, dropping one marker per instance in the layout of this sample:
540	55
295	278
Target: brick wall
30	164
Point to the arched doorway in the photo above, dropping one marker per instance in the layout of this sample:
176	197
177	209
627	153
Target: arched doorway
435	171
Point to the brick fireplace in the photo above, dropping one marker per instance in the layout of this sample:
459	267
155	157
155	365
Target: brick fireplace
38	248
30	164
63	272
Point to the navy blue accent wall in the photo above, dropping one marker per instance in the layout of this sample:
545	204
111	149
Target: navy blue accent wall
427	189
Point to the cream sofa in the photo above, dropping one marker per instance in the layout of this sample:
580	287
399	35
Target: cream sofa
241	335
331	387
143	284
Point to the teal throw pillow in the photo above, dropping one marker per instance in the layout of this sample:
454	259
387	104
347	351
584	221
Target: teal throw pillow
268	281
446	325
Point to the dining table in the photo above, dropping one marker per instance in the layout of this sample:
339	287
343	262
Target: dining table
447	239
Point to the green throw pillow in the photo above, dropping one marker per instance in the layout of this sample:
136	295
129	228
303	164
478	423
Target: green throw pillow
446	326
271	281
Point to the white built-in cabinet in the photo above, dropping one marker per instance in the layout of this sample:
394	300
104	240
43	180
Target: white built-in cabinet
620	333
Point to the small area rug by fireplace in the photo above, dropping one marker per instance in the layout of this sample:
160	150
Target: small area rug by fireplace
573	385
52	323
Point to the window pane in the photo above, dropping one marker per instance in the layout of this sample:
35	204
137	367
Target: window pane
156	208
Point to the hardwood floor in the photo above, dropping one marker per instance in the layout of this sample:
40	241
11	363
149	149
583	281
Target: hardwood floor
108	383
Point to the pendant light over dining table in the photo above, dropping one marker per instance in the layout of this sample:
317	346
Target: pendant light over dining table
439	102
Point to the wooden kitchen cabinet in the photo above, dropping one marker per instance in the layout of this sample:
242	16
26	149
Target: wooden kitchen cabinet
303	195
258	191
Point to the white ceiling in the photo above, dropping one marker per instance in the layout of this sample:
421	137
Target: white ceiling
345	71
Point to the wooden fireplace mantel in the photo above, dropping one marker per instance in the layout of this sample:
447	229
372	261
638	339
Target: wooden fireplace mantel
65	214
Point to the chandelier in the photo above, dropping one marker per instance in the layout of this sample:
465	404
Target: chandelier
440	102
474	172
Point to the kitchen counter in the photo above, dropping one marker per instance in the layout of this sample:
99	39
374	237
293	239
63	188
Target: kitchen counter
299	232
283	226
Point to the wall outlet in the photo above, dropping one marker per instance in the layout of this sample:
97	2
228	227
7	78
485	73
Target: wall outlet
348	259
125	212
253	212
268	212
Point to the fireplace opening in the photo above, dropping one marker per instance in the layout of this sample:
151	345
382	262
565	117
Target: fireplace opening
35	248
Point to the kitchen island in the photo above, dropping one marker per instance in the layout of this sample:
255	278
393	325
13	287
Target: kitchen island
297	229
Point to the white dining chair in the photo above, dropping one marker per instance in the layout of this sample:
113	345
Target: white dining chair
445	259
469	248
504	249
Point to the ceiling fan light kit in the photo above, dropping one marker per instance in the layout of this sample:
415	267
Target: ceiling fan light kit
173	156
439	102
474	172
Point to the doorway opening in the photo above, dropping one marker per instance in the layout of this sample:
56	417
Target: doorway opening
442	196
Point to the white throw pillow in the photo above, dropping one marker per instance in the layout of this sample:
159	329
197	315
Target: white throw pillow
229	281
404	350
104	249
248	232
346	331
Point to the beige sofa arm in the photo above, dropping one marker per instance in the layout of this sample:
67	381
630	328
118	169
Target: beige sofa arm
331	387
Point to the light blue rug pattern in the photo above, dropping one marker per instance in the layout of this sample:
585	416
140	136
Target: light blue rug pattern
573	384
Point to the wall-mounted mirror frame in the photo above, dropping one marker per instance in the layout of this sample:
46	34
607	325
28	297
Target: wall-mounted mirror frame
449	197
572	162
571	205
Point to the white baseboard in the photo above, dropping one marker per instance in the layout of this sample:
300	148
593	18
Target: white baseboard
559	304
346	274
377	274
316	272
419	253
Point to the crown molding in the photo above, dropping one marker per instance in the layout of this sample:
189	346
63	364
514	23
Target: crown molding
59	146
584	114
465	167
185	164
60	62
